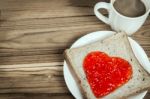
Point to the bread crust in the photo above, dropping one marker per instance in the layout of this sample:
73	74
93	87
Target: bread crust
78	81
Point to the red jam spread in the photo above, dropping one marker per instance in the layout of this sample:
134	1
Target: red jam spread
105	73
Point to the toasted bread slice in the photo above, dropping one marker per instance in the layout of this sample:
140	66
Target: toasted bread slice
116	45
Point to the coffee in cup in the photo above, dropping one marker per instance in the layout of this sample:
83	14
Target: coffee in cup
130	8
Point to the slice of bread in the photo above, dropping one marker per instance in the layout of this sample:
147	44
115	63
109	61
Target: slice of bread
116	45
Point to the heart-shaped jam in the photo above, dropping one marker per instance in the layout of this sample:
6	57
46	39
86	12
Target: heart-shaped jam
105	73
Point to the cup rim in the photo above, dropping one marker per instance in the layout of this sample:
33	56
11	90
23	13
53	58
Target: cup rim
148	11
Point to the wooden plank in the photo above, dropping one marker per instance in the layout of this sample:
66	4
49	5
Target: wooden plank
17	10
36	96
46	4
32	78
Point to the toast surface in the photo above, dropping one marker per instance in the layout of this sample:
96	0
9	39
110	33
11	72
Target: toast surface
118	46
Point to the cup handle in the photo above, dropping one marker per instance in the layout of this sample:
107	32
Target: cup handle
98	14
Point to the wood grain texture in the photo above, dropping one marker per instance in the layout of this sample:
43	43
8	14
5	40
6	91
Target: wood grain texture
33	36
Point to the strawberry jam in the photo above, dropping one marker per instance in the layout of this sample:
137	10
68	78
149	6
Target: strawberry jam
105	73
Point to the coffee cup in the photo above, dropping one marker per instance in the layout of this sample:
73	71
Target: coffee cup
120	22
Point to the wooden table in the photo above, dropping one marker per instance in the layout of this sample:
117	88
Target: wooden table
33	36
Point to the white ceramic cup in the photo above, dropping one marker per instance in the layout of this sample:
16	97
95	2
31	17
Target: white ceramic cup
119	22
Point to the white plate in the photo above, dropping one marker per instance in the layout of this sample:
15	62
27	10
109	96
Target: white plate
100	35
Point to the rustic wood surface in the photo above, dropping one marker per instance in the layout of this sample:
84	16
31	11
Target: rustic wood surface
33	36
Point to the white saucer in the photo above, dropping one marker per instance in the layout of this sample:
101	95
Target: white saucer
100	35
